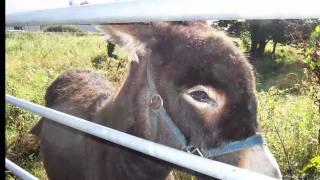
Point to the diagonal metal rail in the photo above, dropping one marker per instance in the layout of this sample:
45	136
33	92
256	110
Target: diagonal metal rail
180	158
18	171
169	10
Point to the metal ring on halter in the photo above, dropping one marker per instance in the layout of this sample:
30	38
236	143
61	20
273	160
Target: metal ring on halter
156	102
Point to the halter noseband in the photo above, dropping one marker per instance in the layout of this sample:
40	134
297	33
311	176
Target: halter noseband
159	112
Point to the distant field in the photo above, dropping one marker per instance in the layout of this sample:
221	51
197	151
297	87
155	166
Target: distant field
287	114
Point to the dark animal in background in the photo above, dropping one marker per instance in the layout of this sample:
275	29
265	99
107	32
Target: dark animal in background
207	88
110	48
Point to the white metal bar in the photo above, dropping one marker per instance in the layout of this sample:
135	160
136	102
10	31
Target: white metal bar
18	171
169	10
190	161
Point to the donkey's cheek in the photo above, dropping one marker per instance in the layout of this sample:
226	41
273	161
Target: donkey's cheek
259	159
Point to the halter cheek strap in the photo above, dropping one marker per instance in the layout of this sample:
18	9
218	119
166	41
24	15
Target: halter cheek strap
158	112
161	113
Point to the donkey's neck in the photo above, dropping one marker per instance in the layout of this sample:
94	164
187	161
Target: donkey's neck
133	165
128	107
128	111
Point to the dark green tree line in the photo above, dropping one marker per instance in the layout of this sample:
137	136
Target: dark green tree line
261	32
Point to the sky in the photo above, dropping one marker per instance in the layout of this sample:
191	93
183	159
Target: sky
13	6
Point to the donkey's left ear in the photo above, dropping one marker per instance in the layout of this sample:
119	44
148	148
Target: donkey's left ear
133	37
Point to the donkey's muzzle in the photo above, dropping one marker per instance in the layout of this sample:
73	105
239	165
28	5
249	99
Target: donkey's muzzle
259	159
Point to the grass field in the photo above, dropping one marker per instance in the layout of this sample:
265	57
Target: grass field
287	113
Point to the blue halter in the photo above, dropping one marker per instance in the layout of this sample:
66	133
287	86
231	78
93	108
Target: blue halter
159	112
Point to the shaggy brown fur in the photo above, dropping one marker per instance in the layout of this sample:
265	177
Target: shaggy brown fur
180	56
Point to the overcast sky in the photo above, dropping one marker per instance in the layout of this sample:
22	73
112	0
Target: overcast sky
28	5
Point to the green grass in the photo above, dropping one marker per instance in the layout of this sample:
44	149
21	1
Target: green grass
282	70
287	114
33	61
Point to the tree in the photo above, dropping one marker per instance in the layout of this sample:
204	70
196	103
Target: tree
259	30
262	31
233	27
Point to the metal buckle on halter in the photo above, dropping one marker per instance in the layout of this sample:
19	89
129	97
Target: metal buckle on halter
193	150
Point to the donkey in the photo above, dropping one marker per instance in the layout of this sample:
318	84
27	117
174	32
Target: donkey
187	85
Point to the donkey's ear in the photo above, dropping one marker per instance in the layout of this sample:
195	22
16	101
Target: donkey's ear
143	33
133	37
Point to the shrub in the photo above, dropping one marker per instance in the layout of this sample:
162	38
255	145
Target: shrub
62	28
312	169
115	68
312	52
290	124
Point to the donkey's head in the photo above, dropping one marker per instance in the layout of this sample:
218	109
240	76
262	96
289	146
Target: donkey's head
199	91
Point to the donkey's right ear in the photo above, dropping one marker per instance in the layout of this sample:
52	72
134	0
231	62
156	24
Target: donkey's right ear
133	37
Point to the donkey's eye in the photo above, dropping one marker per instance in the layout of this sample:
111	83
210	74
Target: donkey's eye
199	95
202	96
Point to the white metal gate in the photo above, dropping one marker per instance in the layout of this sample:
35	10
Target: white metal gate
155	10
